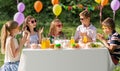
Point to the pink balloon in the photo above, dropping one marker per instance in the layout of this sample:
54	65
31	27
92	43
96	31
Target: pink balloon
21	7
115	4
19	18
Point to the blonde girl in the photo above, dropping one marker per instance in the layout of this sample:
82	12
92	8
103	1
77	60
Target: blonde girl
10	46
56	29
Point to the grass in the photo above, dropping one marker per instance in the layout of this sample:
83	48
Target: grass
68	29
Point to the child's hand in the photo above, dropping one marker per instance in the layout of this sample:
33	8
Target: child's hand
100	37
83	34
34	46
41	30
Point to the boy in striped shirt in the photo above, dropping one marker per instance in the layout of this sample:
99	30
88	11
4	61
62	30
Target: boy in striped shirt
113	41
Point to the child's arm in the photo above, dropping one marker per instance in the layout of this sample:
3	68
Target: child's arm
110	47
40	34
104	41
27	43
89	39
13	48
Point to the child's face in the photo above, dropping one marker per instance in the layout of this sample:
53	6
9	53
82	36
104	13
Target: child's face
32	23
16	31
84	20
59	26
106	30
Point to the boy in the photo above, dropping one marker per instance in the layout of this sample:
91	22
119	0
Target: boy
86	29
113	42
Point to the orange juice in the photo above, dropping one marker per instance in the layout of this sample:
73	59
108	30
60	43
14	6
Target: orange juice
43	44
72	41
47	43
84	39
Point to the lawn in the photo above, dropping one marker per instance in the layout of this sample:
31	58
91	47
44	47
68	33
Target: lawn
68	29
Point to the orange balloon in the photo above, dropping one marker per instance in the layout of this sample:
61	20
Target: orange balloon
38	6
104	2
55	2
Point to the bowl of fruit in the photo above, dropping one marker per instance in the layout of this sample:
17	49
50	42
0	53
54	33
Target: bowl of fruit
95	45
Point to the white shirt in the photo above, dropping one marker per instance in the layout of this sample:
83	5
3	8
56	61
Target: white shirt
8	52
91	32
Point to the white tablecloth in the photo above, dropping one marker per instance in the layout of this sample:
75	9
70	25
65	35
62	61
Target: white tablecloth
94	59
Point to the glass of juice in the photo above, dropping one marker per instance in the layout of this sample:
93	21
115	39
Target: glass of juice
47	43
43	44
85	40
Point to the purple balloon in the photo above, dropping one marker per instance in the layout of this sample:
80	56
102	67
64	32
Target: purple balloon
21	7
115	4
19	18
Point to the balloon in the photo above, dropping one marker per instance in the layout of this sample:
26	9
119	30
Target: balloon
115	4
57	9
55	2
21	7
104	2
38	6
19	18
98	1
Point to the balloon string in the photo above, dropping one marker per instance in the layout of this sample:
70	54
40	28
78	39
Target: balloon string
114	15
56	17
17	1
100	14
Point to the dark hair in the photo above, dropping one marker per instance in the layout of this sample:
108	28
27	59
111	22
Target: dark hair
108	22
27	19
85	13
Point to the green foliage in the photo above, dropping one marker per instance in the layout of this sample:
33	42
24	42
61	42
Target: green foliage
9	8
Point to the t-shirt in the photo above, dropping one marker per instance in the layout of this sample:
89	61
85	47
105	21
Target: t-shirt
8	51
91	32
114	39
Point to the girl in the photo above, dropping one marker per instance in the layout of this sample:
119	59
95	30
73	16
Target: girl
56	29
34	37
10	47
113	42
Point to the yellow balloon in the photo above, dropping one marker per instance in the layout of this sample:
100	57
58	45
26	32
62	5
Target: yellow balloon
98	1
57	9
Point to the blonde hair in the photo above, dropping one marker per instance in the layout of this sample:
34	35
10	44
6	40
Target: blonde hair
52	30
5	31
85	13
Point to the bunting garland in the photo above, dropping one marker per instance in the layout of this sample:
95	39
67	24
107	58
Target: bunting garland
80	6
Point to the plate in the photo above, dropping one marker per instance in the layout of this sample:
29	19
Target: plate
95	45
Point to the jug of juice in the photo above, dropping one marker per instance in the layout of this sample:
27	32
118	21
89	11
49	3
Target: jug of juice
47	43
43	43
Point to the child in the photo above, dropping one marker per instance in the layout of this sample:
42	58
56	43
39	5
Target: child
56	29
86	29
10	47
34	36
113	42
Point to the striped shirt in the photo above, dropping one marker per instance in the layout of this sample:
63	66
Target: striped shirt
114	39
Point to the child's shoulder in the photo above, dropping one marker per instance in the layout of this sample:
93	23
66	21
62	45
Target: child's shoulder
93	27
116	34
10	38
80	26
